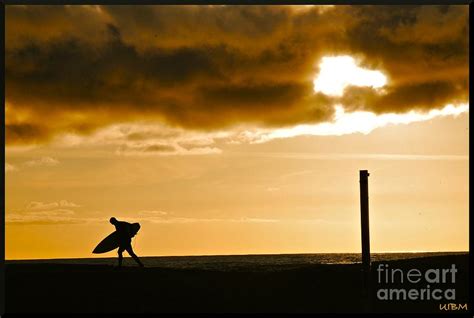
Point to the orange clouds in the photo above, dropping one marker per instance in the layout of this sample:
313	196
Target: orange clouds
215	67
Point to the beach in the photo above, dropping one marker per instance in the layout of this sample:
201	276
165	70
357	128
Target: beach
249	288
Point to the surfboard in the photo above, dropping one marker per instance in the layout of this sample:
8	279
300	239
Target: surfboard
111	242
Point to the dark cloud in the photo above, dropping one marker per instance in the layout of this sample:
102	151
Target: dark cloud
26	133
159	148
212	67
145	135
400	40
403	98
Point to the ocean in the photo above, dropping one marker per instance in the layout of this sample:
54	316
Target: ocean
241	262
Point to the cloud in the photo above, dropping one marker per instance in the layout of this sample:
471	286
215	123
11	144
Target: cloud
68	204
152	213
162	149
44	213
38	213
405	98
51	217
42	206
9	167
167	220
43	161
157	216
339	156
148	139
428	18
348	123
215	68
52	213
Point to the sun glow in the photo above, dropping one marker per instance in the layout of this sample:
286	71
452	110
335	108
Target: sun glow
338	72
358	122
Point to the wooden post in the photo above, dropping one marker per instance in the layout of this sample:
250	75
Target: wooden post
364	217
364	221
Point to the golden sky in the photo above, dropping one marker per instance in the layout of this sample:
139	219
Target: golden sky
235	129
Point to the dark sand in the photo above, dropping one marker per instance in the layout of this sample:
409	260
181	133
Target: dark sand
311	288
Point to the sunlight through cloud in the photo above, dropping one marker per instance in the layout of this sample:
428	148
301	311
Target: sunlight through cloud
358	122
338	72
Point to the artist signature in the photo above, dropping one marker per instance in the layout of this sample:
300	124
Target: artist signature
452	307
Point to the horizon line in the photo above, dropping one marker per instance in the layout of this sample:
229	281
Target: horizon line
211	255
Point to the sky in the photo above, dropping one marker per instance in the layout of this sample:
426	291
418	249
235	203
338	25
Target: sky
235	129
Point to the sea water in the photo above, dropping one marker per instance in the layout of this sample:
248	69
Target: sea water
232	262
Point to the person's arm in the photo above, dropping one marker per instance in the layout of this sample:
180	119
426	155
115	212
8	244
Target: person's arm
123	229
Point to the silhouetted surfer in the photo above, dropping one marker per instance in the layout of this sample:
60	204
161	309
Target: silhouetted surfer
125	231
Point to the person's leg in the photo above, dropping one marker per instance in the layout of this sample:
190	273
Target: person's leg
135	257
120	256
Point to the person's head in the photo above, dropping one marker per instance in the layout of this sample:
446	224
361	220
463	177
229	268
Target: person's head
113	220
